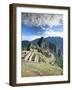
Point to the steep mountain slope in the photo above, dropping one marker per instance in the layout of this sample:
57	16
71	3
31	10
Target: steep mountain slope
53	43
47	47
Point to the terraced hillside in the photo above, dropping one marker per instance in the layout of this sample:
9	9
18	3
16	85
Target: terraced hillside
42	57
37	63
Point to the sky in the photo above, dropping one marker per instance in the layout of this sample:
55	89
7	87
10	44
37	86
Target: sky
36	25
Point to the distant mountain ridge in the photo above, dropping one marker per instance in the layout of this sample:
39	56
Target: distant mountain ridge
58	41
55	44
25	44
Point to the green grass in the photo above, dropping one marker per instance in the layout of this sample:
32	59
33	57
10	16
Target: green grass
39	69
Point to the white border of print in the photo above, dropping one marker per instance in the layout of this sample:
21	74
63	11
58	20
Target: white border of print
63	77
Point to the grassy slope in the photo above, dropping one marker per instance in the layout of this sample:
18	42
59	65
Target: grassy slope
40	69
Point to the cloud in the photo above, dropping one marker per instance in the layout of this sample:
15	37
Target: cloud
51	33
47	33
37	19
47	22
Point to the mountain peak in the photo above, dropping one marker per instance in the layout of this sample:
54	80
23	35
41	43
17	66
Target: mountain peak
42	42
